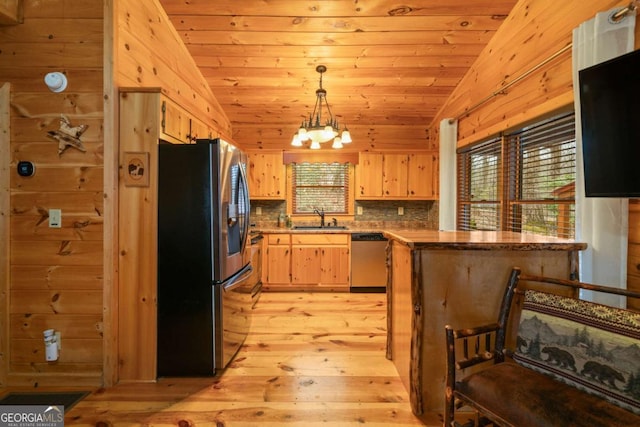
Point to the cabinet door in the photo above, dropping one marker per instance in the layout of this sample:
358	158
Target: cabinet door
422	176
369	176
278	265
395	175
267	176
175	122
305	265
199	130
335	265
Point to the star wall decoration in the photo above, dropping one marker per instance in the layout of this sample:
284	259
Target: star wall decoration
68	135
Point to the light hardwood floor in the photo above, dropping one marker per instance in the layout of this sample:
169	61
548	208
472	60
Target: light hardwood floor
310	359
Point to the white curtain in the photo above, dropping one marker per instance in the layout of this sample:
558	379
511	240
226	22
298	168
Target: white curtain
447	203
600	222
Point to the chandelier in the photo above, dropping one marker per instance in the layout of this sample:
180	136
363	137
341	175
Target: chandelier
319	130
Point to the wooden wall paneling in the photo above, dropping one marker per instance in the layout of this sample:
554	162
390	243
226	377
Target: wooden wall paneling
25	227
58	272
340	8
75	325
518	45
74	105
5	206
55	55
30	80
378	138
80	352
64	179
319	24
72	203
72	277
157	57
39	30
137	296
60	252
63	9
10	12
110	197
56	301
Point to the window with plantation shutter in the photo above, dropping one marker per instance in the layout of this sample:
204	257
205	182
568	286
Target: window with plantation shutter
320	185
523	181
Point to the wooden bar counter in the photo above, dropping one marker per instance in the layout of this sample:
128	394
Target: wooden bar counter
437	277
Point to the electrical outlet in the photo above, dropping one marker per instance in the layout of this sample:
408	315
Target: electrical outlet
58	342
400	210
55	218
359	210
258	210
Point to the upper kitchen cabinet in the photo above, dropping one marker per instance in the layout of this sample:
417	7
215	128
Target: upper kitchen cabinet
178	126
422	180
368	177
395	176
267	175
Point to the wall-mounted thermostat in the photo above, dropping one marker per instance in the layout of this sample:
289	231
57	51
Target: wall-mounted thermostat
26	168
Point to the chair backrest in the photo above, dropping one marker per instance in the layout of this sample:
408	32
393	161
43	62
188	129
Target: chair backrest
594	347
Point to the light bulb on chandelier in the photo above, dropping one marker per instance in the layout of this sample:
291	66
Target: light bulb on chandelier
315	130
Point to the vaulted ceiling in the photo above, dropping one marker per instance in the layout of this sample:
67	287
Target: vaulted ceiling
390	65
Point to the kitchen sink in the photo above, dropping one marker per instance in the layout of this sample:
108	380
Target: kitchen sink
317	227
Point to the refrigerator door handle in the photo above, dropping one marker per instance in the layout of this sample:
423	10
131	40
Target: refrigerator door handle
244	182
238	280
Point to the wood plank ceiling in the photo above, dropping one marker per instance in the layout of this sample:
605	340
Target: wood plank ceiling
390	65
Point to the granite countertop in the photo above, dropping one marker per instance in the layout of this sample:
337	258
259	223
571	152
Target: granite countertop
461	240
481	240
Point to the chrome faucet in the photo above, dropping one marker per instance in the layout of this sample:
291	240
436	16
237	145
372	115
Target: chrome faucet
321	214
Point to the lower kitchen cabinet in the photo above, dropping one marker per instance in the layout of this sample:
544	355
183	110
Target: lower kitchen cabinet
315	262
277	261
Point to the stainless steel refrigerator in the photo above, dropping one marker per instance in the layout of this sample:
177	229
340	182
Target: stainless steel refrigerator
204	270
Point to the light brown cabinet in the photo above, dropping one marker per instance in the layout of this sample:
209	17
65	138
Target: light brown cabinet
422	181
396	176
368	176
320	260
277	261
178	126
267	175
303	261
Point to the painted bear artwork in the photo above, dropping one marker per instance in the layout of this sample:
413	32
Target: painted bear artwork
554	337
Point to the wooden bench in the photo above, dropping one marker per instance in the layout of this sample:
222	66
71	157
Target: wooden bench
557	360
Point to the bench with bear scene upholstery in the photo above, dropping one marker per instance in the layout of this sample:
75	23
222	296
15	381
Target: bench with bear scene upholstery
551	359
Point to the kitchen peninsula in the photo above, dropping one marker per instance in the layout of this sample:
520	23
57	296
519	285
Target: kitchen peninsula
435	278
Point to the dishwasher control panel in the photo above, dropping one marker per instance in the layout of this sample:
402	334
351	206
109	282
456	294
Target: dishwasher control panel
367	237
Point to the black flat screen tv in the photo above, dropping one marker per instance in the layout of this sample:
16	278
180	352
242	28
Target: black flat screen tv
610	115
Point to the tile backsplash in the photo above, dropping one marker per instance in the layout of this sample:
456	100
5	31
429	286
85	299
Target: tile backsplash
375	213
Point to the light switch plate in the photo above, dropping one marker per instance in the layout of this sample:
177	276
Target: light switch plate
55	218
258	210
359	210
400	210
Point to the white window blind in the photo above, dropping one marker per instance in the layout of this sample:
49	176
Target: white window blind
320	185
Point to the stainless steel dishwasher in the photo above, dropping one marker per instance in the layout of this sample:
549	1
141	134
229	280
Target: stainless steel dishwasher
368	262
